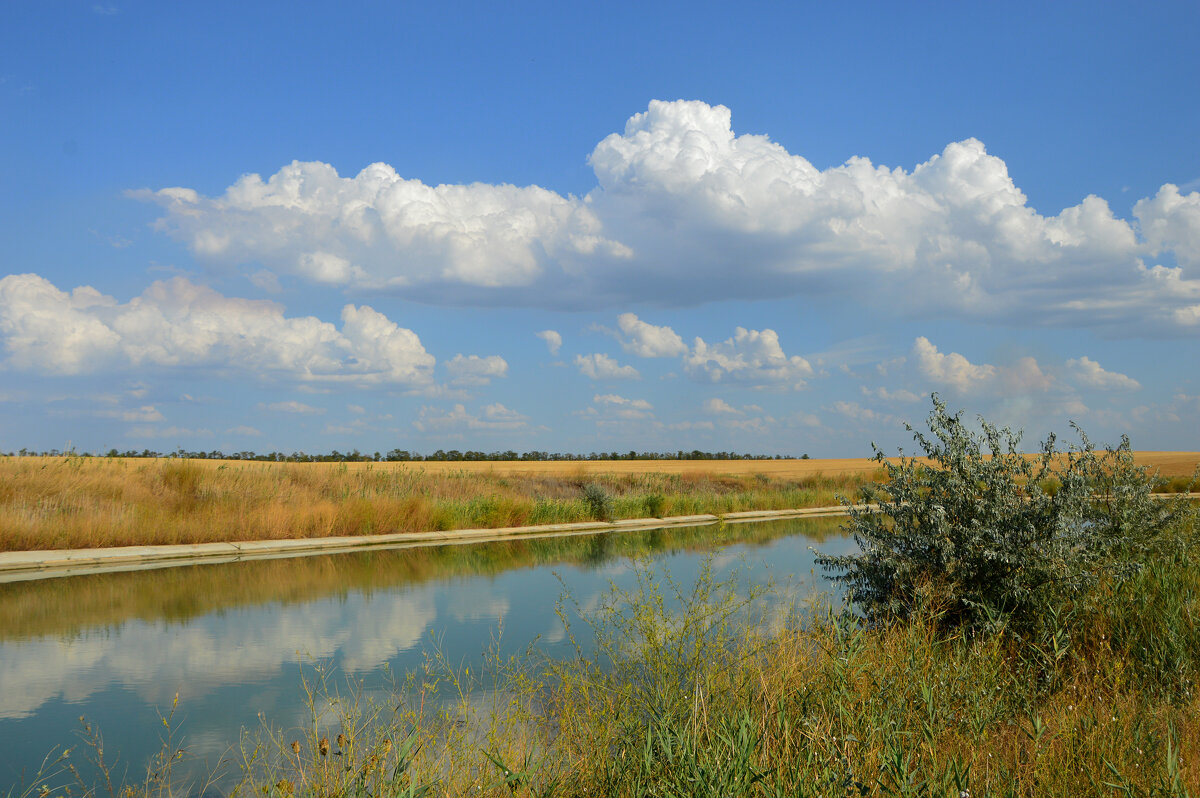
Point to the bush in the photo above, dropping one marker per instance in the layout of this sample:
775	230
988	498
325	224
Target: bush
598	500
986	532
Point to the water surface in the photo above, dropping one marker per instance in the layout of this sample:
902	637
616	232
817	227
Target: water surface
231	640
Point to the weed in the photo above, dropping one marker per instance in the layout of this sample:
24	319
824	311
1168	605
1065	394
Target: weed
598	500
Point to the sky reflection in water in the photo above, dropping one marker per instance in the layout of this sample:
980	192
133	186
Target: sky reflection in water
231	639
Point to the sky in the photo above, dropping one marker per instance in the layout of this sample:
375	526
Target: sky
765	228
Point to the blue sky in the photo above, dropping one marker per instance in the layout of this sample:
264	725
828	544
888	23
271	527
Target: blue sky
551	226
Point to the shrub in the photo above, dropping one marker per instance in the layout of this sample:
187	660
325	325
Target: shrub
598	500
654	505
986	532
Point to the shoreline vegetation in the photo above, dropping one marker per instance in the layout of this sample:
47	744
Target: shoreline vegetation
75	502
1013	625
693	691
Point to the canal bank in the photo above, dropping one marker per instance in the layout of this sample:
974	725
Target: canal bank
20	566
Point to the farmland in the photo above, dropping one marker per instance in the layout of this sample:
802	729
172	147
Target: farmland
81	502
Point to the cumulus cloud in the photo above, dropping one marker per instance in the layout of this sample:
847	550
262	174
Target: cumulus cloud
1088	372
759	426
243	430
143	413
602	367
753	357
298	408
1170	221
168	432
863	416
952	370
648	340
476	370
900	395
621	401
717	406
687	211
378	230
622	408
684	426
177	323
553	340
495	417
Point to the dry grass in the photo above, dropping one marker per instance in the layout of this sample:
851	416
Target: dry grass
61	503
76	502
688	692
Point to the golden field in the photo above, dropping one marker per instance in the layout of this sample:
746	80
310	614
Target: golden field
1168	464
81	502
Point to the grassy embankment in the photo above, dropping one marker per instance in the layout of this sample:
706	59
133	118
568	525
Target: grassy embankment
685	695
56	503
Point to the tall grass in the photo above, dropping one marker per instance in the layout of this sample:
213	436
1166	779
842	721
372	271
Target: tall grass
690	690
74	502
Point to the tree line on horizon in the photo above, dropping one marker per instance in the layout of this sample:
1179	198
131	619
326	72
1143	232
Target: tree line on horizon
404	455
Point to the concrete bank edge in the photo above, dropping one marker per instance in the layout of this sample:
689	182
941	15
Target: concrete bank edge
27	565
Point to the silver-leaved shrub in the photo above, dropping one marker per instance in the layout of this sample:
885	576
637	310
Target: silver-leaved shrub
979	532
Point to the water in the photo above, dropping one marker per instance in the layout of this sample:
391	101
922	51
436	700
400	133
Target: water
231	640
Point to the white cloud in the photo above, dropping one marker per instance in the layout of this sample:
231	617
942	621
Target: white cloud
954	371
647	340
298	408
177	323
717	406
358	410
266	280
476	370
1170	221
753	357
553	340
168	432
622	408
143	414
378	230
621	401
863	415
244	430
1089	372
681	199
900	395
602	367
691	425
494	417
758	426
803	419
341	429
1026	376
951	370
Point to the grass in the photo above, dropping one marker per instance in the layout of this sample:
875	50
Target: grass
692	691
78	502
74	502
